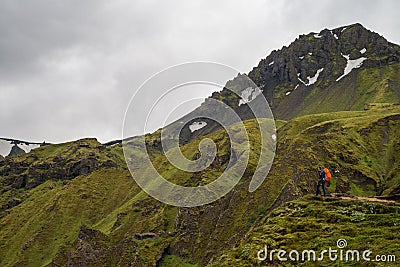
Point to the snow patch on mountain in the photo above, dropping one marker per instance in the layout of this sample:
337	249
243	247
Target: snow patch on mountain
197	125
28	148
311	80
351	64
249	94
5	147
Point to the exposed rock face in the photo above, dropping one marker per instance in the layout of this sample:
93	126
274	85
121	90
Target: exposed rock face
31	172
15	151
88	253
341	69
32	169
93	248
310	52
295	78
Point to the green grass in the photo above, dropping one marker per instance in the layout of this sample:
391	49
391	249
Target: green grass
317	225
32	232
352	93
361	144
174	261
359	141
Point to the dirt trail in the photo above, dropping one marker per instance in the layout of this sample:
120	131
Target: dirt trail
387	200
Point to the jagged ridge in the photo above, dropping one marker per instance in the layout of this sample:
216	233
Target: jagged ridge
303	78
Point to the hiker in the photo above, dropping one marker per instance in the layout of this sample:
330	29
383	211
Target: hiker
321	181
328	177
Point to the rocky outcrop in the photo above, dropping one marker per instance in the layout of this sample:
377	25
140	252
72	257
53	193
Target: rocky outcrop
69	161
285	76
334	70
91	249
15	151
32	171
325	49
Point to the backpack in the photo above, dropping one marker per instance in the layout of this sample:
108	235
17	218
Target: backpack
328	175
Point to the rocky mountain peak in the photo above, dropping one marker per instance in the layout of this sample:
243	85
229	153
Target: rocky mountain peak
324	50
301	74
340	69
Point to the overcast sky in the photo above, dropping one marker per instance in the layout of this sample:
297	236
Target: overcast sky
69	68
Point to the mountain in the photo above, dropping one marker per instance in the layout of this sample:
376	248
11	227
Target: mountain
333	70
98	215
76	204
343	69
16	150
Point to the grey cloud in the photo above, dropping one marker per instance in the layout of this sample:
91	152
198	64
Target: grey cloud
69	68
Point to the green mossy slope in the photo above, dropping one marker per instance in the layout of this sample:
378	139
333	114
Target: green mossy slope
309	224
99	218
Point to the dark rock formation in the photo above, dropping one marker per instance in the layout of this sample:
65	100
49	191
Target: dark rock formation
15	151
29	175
290	67
29	170
288	77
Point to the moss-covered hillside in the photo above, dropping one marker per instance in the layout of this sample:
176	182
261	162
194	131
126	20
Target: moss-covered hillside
94	214
314	224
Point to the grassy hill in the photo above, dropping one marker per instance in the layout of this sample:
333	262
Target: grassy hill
99	216
312	224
